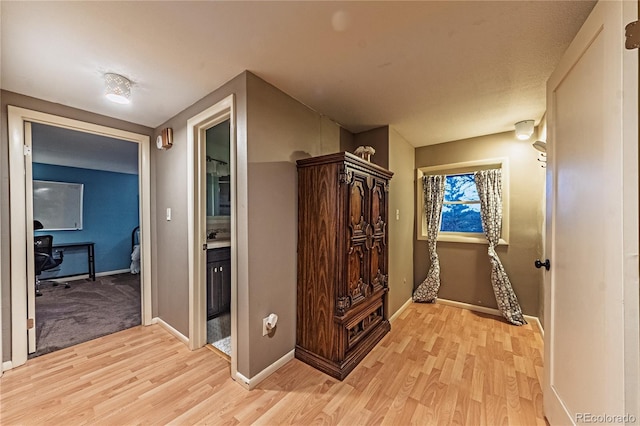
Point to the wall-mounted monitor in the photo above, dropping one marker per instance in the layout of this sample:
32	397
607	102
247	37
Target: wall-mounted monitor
58	205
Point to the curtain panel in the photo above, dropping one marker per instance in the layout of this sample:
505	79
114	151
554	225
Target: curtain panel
427	291
489	185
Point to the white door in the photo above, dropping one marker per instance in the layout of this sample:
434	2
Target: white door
31	277
591	291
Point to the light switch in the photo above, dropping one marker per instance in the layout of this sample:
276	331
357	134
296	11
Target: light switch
168	214
397	214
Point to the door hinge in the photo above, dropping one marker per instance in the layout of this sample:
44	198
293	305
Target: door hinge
26	149
29	323
632	35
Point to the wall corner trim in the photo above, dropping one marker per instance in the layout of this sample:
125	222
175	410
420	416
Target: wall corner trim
171	330
258	378
397	313
490	311
6	366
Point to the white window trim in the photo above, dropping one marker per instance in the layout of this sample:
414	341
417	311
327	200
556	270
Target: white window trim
463	167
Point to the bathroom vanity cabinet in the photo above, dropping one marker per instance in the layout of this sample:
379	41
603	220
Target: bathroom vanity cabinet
218	281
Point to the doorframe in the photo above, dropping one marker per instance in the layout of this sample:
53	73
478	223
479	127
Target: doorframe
17	117
197	226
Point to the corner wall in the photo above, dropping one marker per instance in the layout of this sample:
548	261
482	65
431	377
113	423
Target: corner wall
401	227
280	130
378	138
465	269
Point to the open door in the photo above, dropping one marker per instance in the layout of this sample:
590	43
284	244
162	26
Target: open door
31	276
591	290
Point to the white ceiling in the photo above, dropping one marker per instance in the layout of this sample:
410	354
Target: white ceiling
435	71
71	148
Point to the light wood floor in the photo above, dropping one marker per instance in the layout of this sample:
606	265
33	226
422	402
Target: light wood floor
439	365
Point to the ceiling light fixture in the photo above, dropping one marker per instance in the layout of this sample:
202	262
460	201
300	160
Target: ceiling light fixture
524	129
540	146
117	88
542	155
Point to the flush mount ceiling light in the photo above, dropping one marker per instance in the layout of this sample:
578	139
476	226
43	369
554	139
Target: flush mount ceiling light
524	129
117	88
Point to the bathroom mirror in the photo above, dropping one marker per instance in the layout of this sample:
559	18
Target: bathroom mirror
218	171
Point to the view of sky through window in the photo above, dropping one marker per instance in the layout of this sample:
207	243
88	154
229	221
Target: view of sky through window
461	207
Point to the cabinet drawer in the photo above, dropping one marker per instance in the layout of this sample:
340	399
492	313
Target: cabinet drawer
218	254
359	326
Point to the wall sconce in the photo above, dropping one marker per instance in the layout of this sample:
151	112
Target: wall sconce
524	129
117	88
541	146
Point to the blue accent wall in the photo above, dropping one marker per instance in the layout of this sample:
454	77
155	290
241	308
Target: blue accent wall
110	213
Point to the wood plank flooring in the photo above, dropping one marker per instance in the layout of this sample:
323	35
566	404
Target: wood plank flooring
439	365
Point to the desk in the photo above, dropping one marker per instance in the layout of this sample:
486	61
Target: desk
91	261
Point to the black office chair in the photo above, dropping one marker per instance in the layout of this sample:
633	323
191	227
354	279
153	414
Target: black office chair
43	258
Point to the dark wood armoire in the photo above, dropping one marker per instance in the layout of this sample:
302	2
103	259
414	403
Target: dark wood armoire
342	261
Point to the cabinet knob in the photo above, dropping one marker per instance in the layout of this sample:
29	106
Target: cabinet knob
221	269
215	269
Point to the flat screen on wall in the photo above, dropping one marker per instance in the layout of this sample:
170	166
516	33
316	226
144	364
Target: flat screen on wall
58	205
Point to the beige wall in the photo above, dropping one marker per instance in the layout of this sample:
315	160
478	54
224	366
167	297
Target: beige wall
377	138
276	131
401	230
10	98
280	130
465	268
346	140
170	255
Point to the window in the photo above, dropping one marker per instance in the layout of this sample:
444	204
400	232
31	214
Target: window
461	221
461	206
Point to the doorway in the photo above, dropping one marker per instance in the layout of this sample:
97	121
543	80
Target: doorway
86	220
22	229
205	251
218	224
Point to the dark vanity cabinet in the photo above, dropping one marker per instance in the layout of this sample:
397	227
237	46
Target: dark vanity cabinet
342	261
218	281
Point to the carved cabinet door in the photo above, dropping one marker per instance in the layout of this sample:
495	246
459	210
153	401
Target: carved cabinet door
358	226
377	238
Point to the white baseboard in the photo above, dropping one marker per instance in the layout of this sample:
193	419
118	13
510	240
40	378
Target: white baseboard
255	380
537	321
399	311
7	365
242	380
117	271
485	310
85	276
171	330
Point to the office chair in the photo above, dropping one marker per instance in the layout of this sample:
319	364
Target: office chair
43	258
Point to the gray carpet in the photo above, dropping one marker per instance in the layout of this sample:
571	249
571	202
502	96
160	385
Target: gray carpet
86	311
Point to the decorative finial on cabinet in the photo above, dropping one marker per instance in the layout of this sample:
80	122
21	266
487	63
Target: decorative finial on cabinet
365	152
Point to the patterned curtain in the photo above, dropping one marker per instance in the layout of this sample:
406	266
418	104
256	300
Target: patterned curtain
433	197
489	184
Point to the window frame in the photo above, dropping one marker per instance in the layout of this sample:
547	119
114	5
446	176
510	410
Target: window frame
456	169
